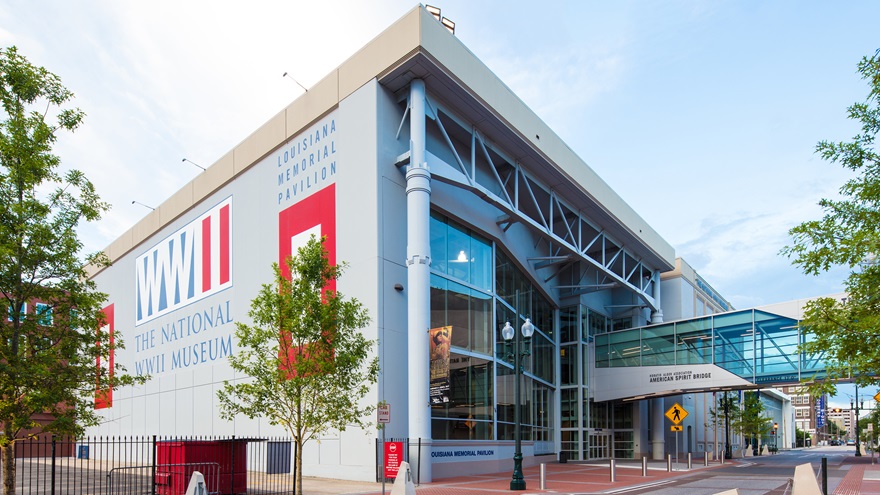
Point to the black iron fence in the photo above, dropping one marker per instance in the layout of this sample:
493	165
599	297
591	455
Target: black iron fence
380	455
154	465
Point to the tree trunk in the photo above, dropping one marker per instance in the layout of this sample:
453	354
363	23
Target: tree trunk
9	468
299	464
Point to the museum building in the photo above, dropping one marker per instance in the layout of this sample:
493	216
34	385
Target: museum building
456	210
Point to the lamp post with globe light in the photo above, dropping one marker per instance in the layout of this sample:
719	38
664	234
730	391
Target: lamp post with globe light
519	351
775	438
858	447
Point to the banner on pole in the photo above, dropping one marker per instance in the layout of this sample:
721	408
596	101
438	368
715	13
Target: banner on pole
440	339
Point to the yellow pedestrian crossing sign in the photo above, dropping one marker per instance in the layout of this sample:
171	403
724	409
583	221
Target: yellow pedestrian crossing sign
877	397
676	413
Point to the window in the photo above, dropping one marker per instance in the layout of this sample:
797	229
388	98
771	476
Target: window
467	311
599	415
598	323
569	407
623	415
44	314
475	289
458	252
568	324
516	289
621	324
470	410
570	442
568	365
21	314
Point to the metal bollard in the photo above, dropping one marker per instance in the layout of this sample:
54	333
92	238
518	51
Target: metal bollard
644	466
690	462
668	463
543	478
706	459
613	467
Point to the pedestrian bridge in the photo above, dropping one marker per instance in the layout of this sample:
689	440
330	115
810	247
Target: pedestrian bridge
735	350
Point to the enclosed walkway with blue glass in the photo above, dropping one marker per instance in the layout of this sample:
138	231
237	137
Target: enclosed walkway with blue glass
760	347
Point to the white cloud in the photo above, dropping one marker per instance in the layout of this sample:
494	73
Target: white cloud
560	84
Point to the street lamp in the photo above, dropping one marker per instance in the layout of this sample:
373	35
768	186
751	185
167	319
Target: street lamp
775	438
858	448
728	450
510	336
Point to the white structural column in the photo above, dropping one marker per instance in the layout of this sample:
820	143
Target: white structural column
658	426
418	270
657	315
658	431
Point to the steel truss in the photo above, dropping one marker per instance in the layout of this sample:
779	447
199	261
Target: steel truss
505	184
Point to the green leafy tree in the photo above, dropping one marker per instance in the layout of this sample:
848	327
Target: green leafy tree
718	416
751	420
308	364
800	437
835	430
846	333
724	416
866	435
48	371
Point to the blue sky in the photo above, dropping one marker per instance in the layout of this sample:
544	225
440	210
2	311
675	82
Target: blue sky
702	115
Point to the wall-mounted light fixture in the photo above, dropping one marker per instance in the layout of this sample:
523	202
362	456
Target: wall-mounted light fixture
294	80
139	203
194	163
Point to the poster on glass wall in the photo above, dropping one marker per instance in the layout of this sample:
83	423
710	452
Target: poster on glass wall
439	340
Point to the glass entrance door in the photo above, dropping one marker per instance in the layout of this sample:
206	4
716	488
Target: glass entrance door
600	445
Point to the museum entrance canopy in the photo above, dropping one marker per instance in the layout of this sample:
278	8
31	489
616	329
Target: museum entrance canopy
740	349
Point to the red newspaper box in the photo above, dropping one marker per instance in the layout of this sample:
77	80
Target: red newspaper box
222	462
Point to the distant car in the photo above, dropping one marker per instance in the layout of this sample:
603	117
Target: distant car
835	443
850	442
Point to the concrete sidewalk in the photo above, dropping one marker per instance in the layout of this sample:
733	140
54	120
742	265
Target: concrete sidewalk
568	478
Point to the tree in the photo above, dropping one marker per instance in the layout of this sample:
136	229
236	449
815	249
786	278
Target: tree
865	434
751	420
846	333
308	365
49	358
800	437
724	416
835	430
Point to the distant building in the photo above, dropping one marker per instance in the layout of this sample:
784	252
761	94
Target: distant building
687	295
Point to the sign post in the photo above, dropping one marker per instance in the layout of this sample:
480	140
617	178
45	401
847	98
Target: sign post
676	414
383	417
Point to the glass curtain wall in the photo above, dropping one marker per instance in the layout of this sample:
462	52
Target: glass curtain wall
588	430
474	305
